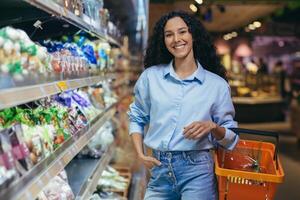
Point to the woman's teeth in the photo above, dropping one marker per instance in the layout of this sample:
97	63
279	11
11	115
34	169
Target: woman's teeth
179	46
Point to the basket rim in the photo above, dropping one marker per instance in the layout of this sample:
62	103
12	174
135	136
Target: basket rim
275	178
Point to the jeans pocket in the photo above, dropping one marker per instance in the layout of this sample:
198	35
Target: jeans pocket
196	158
156	171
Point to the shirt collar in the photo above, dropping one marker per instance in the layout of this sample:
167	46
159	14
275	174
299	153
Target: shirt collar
199	74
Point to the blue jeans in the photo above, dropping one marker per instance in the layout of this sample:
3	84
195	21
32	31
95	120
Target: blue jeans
182	175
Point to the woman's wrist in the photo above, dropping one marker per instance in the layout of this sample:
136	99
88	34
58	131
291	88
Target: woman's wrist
217	131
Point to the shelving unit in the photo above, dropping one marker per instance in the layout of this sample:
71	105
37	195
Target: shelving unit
85	23
16	92
20	95
29	186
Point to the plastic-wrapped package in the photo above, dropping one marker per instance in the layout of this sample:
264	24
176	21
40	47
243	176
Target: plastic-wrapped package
34	143
57	189
8	172
19	149
99	142
19	56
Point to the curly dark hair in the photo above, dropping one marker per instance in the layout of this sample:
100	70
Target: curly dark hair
203	48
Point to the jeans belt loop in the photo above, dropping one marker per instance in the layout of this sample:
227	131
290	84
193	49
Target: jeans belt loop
184	155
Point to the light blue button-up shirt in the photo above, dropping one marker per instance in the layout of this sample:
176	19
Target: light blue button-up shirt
168	104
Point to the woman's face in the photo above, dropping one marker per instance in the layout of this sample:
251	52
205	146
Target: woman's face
178	39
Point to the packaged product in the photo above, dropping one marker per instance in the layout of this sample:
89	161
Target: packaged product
7	161
34	143
57	188
19	149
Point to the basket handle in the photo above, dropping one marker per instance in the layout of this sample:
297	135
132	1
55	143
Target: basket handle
262	133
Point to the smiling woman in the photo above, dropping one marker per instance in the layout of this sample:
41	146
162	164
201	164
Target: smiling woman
178	39
203	48
184	98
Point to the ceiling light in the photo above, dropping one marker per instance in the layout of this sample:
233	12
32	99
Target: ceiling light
227	37
193	8
257	24
199	1
251	27
234	34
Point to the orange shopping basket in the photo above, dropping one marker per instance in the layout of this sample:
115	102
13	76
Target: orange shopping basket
251	171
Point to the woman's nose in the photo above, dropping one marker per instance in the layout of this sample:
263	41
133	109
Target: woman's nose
176	37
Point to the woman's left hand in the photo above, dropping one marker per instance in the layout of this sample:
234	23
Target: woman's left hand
198	129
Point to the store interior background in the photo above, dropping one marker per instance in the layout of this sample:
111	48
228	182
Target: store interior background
266	96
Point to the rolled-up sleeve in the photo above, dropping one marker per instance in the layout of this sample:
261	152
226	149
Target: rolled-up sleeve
139	110
223	114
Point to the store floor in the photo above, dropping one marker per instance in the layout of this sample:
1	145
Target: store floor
289	154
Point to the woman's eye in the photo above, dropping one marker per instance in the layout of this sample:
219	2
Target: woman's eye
182	32
168	35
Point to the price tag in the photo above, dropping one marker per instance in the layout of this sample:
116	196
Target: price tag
62	85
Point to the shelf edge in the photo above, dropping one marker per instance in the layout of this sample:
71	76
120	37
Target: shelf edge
20	95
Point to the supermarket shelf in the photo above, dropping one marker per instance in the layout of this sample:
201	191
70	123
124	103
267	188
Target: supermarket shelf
31	184
85	23
90	184
20	95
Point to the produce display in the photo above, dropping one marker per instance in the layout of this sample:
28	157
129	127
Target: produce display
31	132
19	56
26	62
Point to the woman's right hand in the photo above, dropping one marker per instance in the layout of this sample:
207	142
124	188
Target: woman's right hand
149	161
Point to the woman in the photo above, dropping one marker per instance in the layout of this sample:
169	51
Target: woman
184	98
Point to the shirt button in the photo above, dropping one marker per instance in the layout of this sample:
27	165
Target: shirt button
170	173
